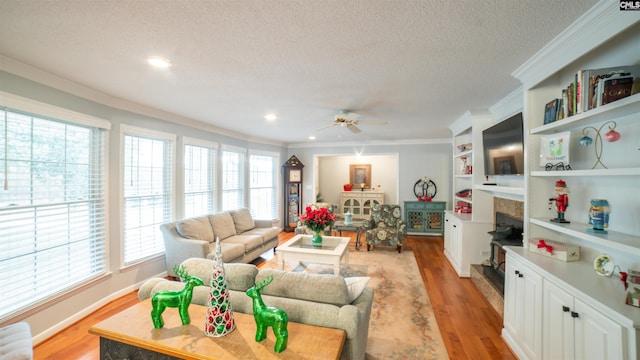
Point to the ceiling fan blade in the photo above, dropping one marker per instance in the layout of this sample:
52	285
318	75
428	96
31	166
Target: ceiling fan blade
354	129
324	127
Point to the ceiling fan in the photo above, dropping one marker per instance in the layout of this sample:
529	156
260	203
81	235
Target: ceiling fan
349	120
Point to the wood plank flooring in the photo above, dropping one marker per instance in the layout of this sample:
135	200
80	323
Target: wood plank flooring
469	325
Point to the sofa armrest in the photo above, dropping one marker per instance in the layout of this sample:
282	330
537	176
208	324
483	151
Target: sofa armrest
178	249
354	319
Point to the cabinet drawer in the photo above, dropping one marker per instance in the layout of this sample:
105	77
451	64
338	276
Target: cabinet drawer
423	205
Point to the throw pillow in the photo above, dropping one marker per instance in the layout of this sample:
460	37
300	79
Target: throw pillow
198	228
355	286
243	220
222	225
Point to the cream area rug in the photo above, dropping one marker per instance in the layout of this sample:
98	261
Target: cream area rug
402	324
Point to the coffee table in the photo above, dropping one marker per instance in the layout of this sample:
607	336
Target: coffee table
131	332
300	248
356	226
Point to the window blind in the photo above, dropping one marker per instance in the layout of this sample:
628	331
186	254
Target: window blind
199	180
262	185
148	192
232	179
52	207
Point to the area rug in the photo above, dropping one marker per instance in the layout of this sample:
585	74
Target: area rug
402	324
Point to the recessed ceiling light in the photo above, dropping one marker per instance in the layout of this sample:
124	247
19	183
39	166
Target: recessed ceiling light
159	62
312	137
270	117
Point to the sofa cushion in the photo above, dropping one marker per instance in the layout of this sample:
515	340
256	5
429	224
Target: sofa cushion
230	251
355	286
267	233
198	228
15	342
222	224
328	289
250	242
239	276
243	220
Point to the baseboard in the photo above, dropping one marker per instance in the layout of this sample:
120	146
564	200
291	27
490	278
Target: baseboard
44	335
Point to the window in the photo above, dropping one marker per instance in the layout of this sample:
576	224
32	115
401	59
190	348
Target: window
148	191
232	179
262	185
199	178
52	204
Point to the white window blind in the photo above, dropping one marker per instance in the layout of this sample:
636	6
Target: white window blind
148	192
52	205
199	180
232	179
262	185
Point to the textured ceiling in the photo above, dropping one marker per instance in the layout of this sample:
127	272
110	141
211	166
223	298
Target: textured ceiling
417	64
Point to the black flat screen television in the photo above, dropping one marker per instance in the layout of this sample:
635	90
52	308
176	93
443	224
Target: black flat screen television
503	146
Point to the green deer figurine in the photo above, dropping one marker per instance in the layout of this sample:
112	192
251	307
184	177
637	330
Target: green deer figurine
175	299
266	316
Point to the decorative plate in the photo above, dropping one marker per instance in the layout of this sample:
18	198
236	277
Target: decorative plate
603	265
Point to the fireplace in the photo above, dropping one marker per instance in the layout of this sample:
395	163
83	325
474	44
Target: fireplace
508	232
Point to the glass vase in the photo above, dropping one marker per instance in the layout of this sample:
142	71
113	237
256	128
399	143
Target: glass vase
316	239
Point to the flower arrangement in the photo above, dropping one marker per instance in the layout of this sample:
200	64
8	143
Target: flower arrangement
317	219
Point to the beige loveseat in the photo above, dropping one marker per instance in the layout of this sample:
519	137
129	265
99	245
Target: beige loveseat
242	238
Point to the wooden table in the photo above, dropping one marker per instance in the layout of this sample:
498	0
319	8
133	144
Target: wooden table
300	248
132	331
356	226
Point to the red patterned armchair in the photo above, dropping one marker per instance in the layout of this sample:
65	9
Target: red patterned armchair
385	227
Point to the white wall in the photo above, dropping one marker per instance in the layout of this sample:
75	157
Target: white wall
333	173
396	167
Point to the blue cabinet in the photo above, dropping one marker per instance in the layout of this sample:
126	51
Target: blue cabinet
424	217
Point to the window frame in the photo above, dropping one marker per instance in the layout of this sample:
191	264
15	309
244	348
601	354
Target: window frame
214	168
274	179
99	154
170	139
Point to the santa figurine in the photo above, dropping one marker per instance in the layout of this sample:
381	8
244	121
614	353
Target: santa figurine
562	201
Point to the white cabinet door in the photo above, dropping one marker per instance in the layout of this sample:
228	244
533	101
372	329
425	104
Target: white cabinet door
557	342
453	235
523	309
511	297
597	336
530	283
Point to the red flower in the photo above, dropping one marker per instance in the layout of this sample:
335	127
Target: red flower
317	219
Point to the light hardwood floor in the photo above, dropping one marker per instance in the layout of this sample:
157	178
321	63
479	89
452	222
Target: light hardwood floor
469	325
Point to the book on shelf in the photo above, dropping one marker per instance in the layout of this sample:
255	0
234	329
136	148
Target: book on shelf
579	84
616	88
551	111
565	104
592	87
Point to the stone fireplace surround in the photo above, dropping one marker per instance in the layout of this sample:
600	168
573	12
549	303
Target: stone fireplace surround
512	208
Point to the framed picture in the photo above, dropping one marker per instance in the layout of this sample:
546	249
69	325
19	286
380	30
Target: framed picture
360	174
554	148
505	165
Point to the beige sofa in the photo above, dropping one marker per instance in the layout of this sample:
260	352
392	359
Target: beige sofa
322	300
242	238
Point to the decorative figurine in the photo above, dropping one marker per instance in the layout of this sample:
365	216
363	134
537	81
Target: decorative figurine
266	316
175	299
599	216
219	321
348	218
562	201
